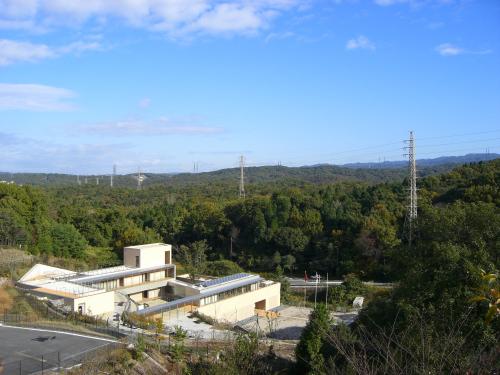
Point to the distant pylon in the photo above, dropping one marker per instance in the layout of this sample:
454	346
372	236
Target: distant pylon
242	177
78	179
140	179
411	213
112	176
86	180
97	180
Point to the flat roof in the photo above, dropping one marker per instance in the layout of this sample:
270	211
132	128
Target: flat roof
114	275
66	289
145	246
173	304
223	280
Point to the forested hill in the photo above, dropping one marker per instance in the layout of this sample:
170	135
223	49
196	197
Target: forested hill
338	228
279	175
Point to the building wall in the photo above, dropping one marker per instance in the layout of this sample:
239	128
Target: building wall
154	276
132	280
129	254
149	256
243	306
97	304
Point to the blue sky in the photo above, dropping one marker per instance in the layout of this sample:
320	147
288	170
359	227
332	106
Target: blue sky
161	84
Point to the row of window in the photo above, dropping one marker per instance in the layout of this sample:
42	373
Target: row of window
139	279
228	294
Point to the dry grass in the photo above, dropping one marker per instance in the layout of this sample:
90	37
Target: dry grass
6	301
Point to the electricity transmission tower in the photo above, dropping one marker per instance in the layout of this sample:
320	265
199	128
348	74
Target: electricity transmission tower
411	213
242	177
112	175
140	179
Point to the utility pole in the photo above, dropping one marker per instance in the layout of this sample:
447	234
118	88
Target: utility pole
411	214
97	180
78	179
242	177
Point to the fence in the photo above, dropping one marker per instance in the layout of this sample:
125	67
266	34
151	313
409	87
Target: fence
45	316
59	361
66	323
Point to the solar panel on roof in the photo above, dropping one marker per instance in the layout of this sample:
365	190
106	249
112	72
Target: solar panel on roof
222	280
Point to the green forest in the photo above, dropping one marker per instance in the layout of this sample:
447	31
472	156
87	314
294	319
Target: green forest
441	316
340	228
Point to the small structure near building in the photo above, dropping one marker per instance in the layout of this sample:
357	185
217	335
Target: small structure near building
358	302
146	284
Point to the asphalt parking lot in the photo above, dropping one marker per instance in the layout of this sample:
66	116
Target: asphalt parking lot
27	351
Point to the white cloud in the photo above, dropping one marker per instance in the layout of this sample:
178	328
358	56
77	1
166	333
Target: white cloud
12	51
34	97
448	49
161	126
361	42
176	17
144	102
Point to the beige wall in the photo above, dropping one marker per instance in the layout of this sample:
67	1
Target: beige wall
132	280
129	255
242	306
136	297
154	276
149	256
96	304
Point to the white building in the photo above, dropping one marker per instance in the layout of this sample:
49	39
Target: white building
146	283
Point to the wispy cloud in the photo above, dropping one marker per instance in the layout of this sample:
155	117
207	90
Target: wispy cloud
161	126
448	49
145	102
35	97
361	42
279	36
174	17
12	51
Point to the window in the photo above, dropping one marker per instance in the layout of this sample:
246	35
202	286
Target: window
121	281
137	260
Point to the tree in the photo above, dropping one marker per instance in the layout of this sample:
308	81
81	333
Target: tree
67	241
313	342
194	258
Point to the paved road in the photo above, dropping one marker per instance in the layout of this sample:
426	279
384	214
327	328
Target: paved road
21	349
311	283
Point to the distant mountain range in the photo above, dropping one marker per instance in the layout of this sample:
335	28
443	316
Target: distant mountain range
325	173
443	160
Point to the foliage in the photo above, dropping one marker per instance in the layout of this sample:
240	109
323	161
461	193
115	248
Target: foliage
489	292
310	351
193	258
178	349
223	267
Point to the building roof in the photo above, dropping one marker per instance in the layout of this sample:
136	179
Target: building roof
148	246
210	292
42	271
129	271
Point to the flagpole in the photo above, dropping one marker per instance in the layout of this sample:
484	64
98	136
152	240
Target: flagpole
316	290
305	287
326	298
